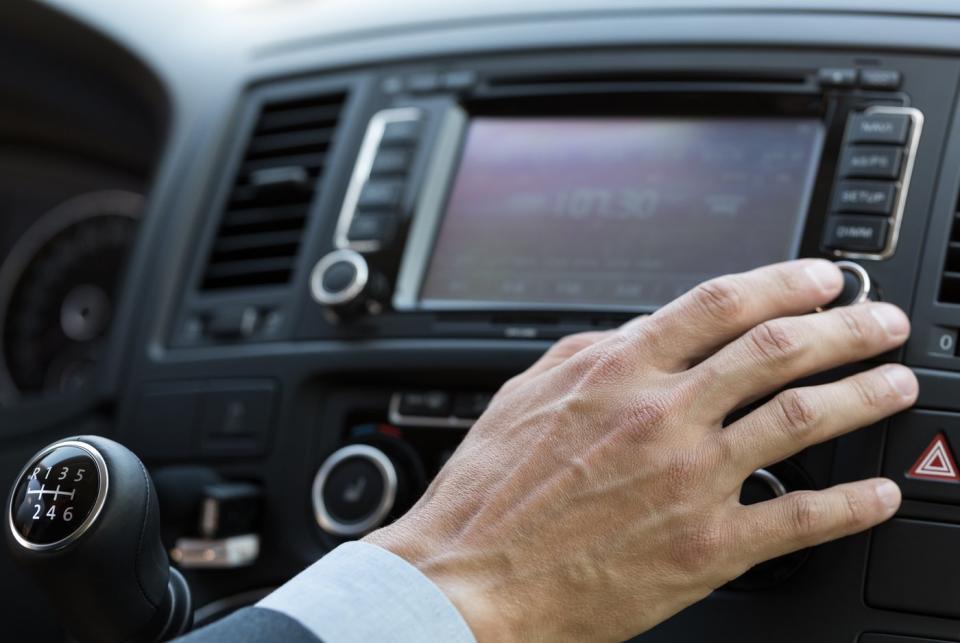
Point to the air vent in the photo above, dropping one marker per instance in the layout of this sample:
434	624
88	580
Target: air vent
264	218
950	282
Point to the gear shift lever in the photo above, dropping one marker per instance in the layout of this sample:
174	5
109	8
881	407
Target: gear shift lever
83	520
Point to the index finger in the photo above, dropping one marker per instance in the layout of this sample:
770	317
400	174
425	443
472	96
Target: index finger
720	310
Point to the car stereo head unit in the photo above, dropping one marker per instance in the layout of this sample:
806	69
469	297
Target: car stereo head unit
508	199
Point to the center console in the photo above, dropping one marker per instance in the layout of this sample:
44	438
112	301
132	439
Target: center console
385	245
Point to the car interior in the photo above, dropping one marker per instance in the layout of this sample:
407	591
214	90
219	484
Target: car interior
286	251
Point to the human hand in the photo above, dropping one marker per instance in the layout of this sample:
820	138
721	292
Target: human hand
598	495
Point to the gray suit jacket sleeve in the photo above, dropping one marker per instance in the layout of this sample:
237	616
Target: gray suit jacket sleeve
356	593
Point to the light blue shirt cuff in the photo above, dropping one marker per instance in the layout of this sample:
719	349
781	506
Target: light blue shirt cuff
360	592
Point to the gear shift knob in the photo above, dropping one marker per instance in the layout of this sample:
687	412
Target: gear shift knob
83	521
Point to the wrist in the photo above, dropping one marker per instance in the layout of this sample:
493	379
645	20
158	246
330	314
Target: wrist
460	581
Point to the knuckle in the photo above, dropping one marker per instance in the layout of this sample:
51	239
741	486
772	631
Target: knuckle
604	363
700	545
808	513
720	299
644	416
775	341
855	511
857	331
870	395
798	411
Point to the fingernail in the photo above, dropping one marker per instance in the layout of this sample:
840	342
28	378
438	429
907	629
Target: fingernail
892	319
826	275
902	380
888	493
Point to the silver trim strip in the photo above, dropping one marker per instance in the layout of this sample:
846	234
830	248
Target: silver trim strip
771	481
450	422
429	209
323	296
94	512
383	464
903	184
361	172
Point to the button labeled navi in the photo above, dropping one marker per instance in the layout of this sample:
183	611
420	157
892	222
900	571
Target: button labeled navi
879	128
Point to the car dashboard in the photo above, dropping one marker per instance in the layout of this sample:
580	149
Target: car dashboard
287	251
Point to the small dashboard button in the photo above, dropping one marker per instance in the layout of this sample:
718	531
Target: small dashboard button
878	128
838	76
880	78
390	162
867	197
857	233
470	406
425	403
380	195
871	162
403	132
373	226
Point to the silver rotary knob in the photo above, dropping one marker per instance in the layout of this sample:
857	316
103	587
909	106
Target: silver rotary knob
339	278
355	490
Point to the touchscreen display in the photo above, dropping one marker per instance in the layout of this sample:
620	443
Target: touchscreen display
617	212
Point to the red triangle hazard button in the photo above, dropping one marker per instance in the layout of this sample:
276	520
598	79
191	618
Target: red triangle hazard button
936	462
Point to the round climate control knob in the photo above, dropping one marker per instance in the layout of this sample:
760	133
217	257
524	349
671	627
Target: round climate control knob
354	490
857	286
339	278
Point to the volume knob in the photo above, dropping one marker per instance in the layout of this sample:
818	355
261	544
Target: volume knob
857	286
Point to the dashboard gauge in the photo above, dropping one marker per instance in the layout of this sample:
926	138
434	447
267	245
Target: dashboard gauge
58	289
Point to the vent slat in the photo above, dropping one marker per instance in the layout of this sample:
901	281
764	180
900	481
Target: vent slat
950	280
261	226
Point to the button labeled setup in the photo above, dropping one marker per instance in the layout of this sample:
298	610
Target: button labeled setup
425	403
868	197
935	463
878	128
856	233
880	78
871	162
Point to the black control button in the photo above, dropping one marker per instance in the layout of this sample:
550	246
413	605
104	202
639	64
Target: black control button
922	456
353	490
421	83
373	226
880	78
401	132
856	233
878	128
459	79
913	569
838	76
871	162
425	404
238	409
470	406
857	286
233	322
381	195
56	495
339	276
391	162
867	197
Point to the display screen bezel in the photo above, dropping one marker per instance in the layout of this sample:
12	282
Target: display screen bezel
432	207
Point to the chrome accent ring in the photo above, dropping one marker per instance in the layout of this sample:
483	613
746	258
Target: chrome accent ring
382	463
772	481
94	512
864	277
323	296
